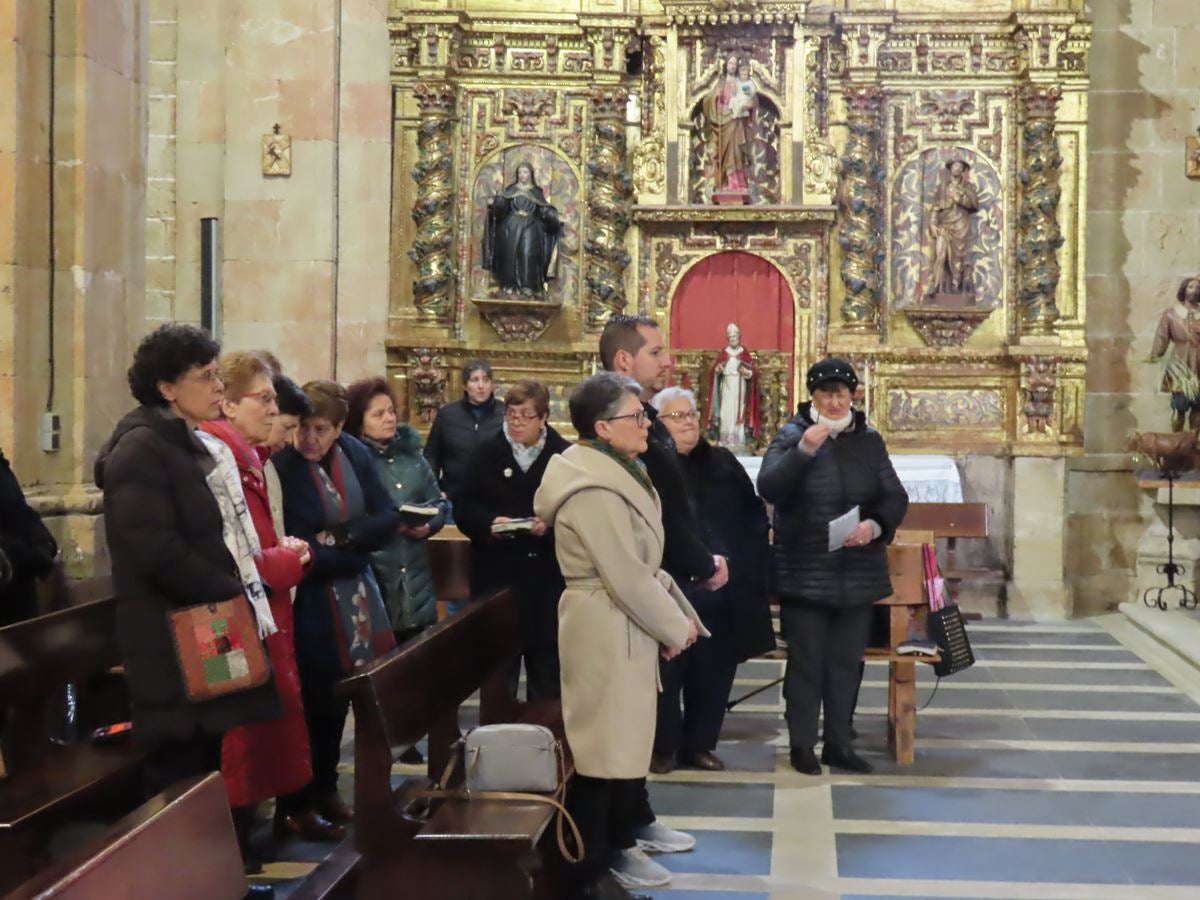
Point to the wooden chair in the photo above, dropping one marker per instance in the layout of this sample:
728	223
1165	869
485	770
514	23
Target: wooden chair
53	777
464	850
181	843
954	522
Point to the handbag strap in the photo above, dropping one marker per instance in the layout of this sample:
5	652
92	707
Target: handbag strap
563	818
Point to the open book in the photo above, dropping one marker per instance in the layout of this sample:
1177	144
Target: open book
516	526
416	515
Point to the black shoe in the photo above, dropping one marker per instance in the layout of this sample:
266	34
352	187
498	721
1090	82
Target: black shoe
251	864
259	892
845	758
703	759
412	757
662	764
804	761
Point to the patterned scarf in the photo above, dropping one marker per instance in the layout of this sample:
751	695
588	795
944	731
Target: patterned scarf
525	456
634	467
237	527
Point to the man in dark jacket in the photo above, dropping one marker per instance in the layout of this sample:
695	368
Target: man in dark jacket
461	426
27	550
634	346
825	463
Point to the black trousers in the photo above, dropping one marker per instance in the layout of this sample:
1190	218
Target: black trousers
702	677
543	674
825	649
325	716
170	761
603	810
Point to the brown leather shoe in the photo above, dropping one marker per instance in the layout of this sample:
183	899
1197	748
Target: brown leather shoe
704	759
309	826
661	764
334	808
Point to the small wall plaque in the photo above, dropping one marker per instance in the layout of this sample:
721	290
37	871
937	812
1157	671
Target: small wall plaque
1191	160
277	153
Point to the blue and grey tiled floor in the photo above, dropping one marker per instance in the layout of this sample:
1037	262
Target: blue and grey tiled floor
1064	766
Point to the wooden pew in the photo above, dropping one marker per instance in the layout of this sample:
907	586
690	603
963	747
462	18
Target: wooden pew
449	566
953	522
904	608
49	780
465	849
179	844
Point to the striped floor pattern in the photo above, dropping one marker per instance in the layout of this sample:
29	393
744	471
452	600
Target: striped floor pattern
1063	766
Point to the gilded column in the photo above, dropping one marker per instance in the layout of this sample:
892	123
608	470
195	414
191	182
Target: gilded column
609	187
1038	233
433	173
860	198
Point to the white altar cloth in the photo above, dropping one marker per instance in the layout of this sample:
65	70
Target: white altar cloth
927	478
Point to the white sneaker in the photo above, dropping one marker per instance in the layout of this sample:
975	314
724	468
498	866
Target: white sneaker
658	838
634	869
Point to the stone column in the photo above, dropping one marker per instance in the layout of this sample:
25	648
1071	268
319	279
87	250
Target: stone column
1039	589
1038	232
609	187
860	198
432	249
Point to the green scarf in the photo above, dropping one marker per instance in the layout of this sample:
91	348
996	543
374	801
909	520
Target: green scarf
634	467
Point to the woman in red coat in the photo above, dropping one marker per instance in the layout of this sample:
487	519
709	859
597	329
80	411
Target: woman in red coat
268	758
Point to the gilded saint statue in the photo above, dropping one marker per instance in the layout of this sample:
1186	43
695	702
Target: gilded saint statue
730	109
1179	330
954	203
733	415
520	236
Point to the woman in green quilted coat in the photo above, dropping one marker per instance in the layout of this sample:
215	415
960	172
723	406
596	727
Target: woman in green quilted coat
402	566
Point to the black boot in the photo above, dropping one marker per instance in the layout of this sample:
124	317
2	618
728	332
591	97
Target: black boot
804	761
845	758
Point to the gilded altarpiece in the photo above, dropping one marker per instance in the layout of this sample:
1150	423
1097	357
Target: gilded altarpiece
917	179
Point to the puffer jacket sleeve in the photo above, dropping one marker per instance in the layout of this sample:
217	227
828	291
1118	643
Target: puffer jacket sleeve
428	493
784	466
600	520
889	509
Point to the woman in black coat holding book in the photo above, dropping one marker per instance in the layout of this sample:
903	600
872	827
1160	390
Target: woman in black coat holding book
503	474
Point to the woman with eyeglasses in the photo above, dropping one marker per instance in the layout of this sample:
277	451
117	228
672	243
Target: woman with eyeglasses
263	759
620	611
733	524
510	545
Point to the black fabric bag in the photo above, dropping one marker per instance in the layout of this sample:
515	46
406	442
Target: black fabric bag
946	629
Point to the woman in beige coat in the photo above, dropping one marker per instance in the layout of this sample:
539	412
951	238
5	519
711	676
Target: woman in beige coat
620	610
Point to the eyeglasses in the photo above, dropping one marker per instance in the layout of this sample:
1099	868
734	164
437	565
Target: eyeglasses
204	376
681	416
266	398
516	415
639	418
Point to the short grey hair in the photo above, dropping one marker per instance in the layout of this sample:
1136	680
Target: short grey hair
597	398
674	392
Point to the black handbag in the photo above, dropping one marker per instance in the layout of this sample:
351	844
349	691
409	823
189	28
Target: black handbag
945	625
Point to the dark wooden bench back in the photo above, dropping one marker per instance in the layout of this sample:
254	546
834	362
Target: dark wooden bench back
948	520
180	843
416	690
68	645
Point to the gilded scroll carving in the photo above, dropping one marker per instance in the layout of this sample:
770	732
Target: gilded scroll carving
861	199
431	249
1039	380
820	159
1039	234
609	191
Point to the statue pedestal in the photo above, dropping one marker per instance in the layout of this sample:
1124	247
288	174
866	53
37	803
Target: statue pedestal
1152	548
731	198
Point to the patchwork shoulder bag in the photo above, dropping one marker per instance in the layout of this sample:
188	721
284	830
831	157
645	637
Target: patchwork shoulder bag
218	649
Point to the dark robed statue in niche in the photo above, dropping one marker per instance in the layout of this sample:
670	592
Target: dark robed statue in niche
950	230
520	236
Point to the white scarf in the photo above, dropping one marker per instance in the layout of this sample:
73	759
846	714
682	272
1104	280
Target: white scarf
835	426
237	527
525	456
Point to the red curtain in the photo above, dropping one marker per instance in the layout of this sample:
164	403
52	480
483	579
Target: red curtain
734	287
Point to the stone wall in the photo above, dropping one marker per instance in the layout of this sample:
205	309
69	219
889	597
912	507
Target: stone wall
1143	234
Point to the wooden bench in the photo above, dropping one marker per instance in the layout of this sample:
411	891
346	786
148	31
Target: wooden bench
466	849
953	522
53	777
905	613
180	844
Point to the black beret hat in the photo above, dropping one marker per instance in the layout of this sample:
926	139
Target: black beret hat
831	369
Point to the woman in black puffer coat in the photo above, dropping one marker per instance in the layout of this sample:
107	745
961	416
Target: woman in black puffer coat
822	464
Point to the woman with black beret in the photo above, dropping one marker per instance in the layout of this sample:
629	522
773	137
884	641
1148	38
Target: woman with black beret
823	464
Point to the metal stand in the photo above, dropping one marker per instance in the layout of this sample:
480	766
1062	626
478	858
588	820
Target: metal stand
1155	597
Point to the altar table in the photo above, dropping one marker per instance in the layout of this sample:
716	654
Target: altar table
927	478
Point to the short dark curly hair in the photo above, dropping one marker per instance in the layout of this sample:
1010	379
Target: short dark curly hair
359	396
166	354
1182	292
291	399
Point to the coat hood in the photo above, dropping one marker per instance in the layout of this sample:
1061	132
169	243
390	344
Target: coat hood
580	468
171	427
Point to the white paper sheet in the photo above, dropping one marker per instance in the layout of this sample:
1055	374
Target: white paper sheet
841	527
